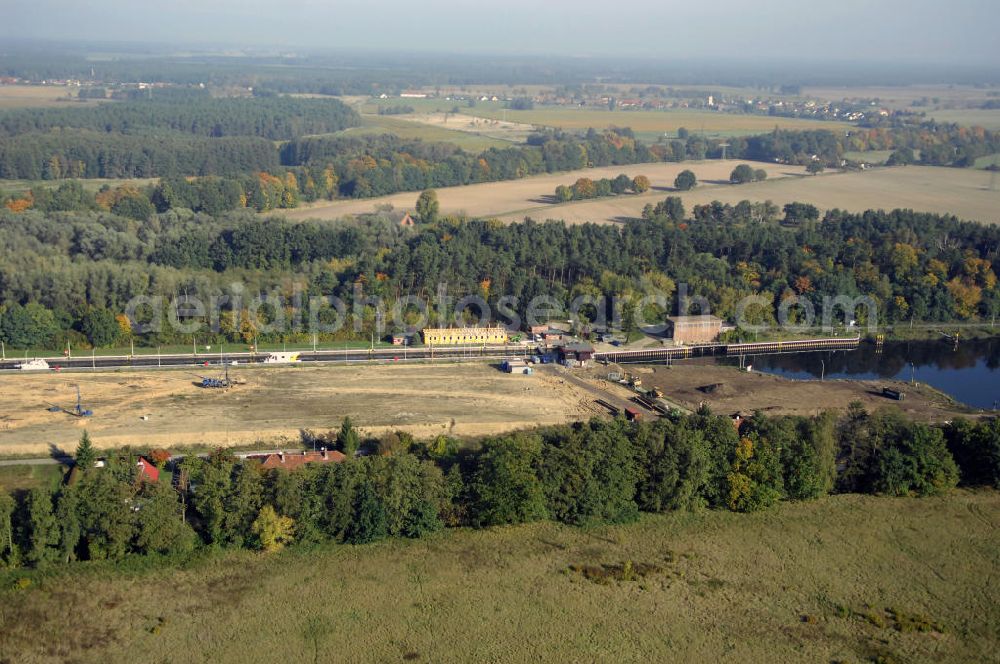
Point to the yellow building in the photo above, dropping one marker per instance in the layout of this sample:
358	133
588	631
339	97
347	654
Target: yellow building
454	336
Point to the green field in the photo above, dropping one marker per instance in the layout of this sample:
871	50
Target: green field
845	578
971	117
987	161
384	124
24	477
869	156
89	184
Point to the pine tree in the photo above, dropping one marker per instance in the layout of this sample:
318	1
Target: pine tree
348	439
86	455
42	529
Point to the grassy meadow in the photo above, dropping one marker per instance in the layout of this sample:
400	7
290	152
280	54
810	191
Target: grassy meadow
844	578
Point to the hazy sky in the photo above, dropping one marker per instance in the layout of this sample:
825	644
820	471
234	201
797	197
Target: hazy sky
886	30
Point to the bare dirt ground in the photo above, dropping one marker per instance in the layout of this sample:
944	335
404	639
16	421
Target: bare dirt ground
515	132
276	403
728	390
964	193
534	196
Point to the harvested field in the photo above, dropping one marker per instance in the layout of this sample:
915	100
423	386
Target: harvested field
275	403
841	579
38	96
964	193
728	390
534	195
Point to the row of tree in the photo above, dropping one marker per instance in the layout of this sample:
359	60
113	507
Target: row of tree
585	188
588	473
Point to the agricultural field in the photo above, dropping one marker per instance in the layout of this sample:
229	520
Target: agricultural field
40	96
274	404
648	125
965	193
407	126
844	578
651	125
534	195
971	117
903	96
89	184
869	156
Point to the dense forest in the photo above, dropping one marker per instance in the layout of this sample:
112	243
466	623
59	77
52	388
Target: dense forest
59	270
197	113
585	474
177	135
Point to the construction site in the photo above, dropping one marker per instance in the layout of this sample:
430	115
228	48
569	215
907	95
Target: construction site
241	406
272	406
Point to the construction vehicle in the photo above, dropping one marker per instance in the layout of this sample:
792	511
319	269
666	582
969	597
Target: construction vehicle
220	383
654	393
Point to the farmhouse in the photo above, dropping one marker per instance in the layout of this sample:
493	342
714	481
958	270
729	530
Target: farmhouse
147	471
694	329
451	336
294	460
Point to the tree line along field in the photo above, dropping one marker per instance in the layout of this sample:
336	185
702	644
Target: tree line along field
962	192
511	197
843	578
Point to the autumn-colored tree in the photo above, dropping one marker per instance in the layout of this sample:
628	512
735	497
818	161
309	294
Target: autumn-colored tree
273	531
640	184
159	457
967	297
21	204
125	325
584	188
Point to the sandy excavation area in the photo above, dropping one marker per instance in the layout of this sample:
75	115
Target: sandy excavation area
276	403
534	196
727	390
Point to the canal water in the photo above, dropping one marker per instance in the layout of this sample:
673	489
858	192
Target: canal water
969	372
